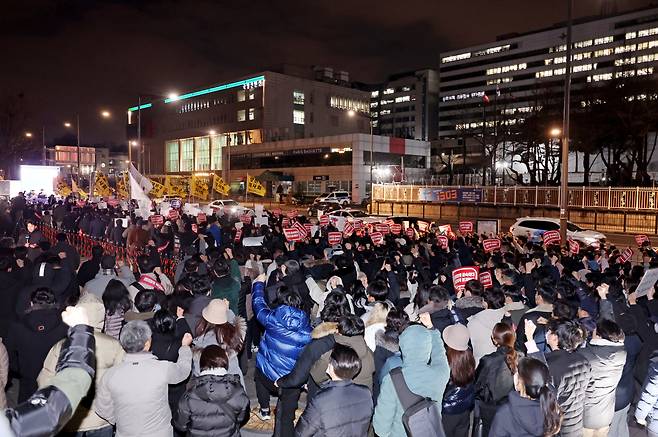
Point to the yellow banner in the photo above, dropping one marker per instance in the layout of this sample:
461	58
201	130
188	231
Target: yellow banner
159	190
199	188
220	186
254	186
122	185
101	185
63	188
175	186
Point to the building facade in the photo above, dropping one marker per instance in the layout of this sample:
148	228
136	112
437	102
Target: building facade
491	85
312	166
406	105
66	157
192	132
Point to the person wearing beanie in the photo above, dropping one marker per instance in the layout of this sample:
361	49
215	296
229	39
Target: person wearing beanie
214	328
108	353
459	397
109	270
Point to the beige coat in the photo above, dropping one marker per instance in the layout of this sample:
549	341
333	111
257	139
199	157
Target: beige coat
134	394
4	371
108	353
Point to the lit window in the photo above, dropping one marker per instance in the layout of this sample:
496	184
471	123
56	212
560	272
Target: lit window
172	156
581	44
600	77
252	94
646	58
389	91
648	32
627	73
603	52
241	96
625	61
202	153
298	117
559	71
579	68
374	104
624	49
546	73
402	99
492	50
385	112
604	40
298	97
631	35
242	115
187	154
349	104
644	71
454	58
406	88
374	94
252	113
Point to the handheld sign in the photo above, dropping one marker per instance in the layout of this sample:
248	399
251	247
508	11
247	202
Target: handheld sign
301	229
396	229
485	279
292	234
443	241
462	275
625	255
551	237
348	230
466	227
410	233
334	238
648	281
423	226
491	244
377	238
574	247
382	227
324	220
157	219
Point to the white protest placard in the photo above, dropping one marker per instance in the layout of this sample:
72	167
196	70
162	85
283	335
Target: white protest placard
102	205
261	221
252	241
648	281
259	210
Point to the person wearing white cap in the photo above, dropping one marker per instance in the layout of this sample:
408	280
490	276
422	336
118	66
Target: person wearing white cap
215	328
459	397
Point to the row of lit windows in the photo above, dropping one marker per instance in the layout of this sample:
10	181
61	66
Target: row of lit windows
298	97
585	43
642	33
500	80
349	104
491	124
242	114
559	71
463	96
507	68
563	59
620	74
522	109
484	52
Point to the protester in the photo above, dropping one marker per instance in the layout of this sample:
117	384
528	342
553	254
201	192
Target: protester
459	396
108	272
117	303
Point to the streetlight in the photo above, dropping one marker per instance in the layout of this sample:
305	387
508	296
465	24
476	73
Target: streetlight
106	114
28	134
353	113
555	132
77	126
173	96
67	124
564	179
212	132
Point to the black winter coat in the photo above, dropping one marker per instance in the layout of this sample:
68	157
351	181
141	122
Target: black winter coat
520	417
458	400
29	342
570	372
339	409
214	406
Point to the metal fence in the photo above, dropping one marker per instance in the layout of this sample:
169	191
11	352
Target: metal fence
604	198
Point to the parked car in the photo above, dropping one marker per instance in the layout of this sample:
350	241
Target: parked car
340	197
230	207
351	215
536	226
319	208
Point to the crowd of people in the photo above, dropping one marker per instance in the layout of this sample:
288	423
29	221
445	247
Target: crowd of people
379	336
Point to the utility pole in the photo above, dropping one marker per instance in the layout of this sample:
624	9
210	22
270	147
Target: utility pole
564	180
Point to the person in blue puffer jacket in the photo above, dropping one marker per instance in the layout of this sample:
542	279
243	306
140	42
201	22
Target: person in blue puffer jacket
287	332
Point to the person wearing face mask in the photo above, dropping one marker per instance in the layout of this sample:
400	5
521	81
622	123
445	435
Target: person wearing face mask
532	409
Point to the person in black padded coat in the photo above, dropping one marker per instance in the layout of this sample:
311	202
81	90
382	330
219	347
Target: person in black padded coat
215	404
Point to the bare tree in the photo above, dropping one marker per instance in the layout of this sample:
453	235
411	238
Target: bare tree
14	117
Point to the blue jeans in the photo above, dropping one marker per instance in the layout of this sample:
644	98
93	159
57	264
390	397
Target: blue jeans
106	431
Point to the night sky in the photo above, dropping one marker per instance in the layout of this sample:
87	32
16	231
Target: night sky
84	56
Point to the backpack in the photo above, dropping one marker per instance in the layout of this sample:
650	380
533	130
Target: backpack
421	417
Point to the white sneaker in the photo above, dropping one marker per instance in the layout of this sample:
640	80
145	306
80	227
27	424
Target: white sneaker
264	414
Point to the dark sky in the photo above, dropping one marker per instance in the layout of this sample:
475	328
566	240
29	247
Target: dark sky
84	55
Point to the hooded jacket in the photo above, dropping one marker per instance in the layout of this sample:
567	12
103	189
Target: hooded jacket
426	372
480	326
228	287
287	331
29	341
519	417
340	409
108	353
45	275
214	405
607	361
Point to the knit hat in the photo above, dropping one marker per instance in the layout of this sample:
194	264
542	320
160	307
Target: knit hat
216	311
456	336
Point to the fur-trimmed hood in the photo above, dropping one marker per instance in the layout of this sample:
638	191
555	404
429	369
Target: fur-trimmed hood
324	329
387	340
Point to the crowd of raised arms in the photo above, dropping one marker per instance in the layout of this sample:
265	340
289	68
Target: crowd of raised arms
384	332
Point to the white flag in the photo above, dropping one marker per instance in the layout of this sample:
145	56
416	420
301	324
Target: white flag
137	193
142	181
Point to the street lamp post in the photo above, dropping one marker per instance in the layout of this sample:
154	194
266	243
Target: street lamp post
564	179
77	127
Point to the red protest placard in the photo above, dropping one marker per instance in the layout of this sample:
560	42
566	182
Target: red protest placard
443	241
173	214
485	279
308	227
348	230
113	202
381	227
625	255
462	275
324	220
574	247
466	227
396	229
551	237
639	239
292	234
377	237
157	219
301	229
334	238
410	233
423	226
491	244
